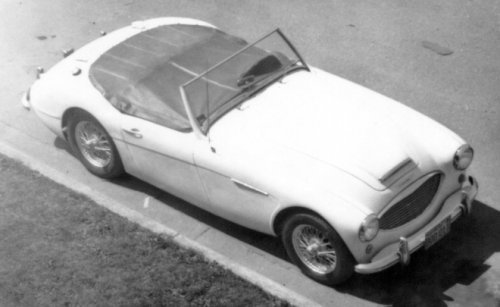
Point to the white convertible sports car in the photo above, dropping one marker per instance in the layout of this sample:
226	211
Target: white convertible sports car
349	179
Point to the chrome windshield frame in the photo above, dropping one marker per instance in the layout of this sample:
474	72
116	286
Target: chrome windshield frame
195	125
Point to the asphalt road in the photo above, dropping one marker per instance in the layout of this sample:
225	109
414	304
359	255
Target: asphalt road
439	57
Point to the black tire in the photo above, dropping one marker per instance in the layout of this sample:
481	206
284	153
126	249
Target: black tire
333	267
100	158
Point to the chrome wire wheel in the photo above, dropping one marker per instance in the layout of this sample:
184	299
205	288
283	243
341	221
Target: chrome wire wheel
93	143
314	249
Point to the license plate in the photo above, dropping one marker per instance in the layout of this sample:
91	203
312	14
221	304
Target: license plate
437	233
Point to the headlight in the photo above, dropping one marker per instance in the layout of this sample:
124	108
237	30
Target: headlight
463	157
369	228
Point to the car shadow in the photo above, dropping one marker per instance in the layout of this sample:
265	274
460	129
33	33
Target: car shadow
459	258
61	144
259	240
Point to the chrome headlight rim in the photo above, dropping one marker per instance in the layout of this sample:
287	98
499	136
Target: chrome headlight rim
369	228
463	157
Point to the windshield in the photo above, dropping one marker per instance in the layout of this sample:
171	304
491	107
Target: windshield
227	84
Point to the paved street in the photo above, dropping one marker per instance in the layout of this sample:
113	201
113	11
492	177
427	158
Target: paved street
441	58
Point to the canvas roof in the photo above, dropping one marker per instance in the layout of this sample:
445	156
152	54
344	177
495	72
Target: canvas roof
141	75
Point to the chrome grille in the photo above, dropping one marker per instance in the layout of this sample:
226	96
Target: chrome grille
412	205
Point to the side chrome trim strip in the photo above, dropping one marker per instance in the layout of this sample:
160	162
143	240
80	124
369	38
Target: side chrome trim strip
248	187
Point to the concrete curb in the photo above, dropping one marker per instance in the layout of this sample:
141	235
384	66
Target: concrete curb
253	277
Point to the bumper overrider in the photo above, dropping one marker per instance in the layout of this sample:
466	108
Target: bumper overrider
457	204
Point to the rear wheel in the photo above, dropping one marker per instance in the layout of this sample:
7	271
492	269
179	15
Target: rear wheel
93	146
316	248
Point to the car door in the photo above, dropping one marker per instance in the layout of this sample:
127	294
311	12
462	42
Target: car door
163	157
234	189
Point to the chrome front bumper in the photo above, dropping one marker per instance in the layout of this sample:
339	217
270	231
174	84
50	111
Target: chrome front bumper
457	204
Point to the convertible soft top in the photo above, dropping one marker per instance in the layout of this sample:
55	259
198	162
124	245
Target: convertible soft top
141	75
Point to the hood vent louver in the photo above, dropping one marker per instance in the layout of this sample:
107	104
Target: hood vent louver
397	171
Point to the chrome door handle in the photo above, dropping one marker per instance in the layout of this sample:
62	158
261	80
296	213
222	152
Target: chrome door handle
133	132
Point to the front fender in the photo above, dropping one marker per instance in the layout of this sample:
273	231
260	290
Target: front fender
344	218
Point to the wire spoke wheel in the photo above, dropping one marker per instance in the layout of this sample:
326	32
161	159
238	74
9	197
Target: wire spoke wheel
93	144
314	249
317	249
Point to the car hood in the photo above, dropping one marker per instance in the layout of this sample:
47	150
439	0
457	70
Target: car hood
316	116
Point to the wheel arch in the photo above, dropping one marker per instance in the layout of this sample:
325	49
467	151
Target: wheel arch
66	117
107	171
284	214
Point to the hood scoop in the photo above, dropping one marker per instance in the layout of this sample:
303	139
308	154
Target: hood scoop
398	171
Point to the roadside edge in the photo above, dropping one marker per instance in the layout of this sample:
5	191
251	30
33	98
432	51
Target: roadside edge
251	276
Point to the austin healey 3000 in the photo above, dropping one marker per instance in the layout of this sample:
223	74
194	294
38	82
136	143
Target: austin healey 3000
350	180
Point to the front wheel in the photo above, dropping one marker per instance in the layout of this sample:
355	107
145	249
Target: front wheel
93	146
316	248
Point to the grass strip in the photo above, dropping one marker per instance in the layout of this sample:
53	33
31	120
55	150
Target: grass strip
59	248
